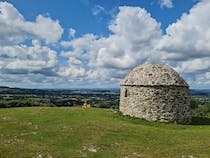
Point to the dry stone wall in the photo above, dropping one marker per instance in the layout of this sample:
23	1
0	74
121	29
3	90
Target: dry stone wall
156	103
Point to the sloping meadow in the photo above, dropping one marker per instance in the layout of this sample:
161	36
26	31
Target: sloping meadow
76	132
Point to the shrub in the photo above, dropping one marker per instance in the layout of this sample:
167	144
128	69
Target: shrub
194	103
202	110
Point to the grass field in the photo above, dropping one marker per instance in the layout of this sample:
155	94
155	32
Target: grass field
76	133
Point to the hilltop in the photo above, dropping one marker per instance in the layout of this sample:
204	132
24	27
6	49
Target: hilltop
76	132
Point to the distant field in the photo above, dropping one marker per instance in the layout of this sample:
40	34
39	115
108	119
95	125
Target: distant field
18	97
45	132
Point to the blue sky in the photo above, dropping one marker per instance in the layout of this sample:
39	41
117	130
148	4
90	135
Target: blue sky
95	43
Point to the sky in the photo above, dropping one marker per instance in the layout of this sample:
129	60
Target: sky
96	43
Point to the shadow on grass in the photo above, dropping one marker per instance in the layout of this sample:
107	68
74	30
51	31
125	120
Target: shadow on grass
200	121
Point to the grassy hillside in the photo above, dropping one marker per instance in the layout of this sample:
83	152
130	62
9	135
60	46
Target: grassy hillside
74	132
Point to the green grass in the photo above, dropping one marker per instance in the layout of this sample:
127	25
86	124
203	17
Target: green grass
76	133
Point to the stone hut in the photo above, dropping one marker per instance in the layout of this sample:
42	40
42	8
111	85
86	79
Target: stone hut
155	92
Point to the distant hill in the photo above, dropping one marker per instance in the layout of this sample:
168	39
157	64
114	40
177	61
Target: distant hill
200	92
8	90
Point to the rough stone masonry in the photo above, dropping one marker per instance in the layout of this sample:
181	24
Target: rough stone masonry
155	92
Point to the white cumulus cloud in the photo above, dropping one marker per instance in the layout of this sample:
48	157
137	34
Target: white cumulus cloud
131	42
190	35
14	28
166	3
72	32
24	59
187	41
22	62
135	38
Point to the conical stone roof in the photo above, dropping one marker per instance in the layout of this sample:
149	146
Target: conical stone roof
153	75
